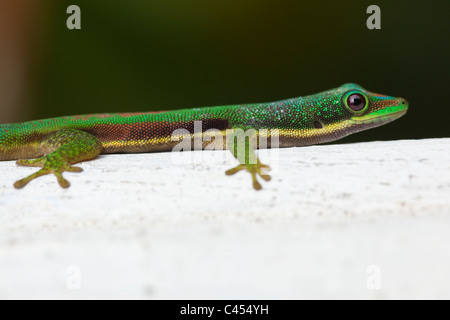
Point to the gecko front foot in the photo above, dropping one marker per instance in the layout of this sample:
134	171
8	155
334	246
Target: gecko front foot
253	169
50	164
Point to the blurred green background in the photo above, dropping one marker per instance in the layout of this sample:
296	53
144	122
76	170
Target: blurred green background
158	55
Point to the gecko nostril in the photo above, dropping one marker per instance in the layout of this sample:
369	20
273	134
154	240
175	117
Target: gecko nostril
318	124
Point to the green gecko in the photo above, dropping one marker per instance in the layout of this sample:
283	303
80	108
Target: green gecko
56	144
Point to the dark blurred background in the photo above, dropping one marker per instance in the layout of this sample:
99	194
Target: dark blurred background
146	55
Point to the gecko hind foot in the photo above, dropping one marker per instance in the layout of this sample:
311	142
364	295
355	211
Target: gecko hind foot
48	167
254	170
65	147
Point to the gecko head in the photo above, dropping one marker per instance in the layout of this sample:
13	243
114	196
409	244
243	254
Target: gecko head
336	113
366	109
349	109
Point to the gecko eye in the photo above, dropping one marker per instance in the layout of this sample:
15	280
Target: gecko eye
356	101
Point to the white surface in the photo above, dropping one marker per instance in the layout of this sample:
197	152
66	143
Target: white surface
148	226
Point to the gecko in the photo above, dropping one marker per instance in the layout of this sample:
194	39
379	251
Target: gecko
55	145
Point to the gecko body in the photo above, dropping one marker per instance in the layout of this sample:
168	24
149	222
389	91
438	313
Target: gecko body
58	143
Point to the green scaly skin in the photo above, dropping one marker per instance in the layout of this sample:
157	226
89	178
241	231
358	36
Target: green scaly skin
56	144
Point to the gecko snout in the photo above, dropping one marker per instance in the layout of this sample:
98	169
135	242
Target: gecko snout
403	103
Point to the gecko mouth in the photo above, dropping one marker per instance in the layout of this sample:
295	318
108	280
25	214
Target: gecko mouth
382	116
379	120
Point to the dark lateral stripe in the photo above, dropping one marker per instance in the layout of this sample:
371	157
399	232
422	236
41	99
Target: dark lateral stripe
150	130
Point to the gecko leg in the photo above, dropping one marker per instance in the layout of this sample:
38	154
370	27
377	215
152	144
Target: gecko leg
242	149
62	149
